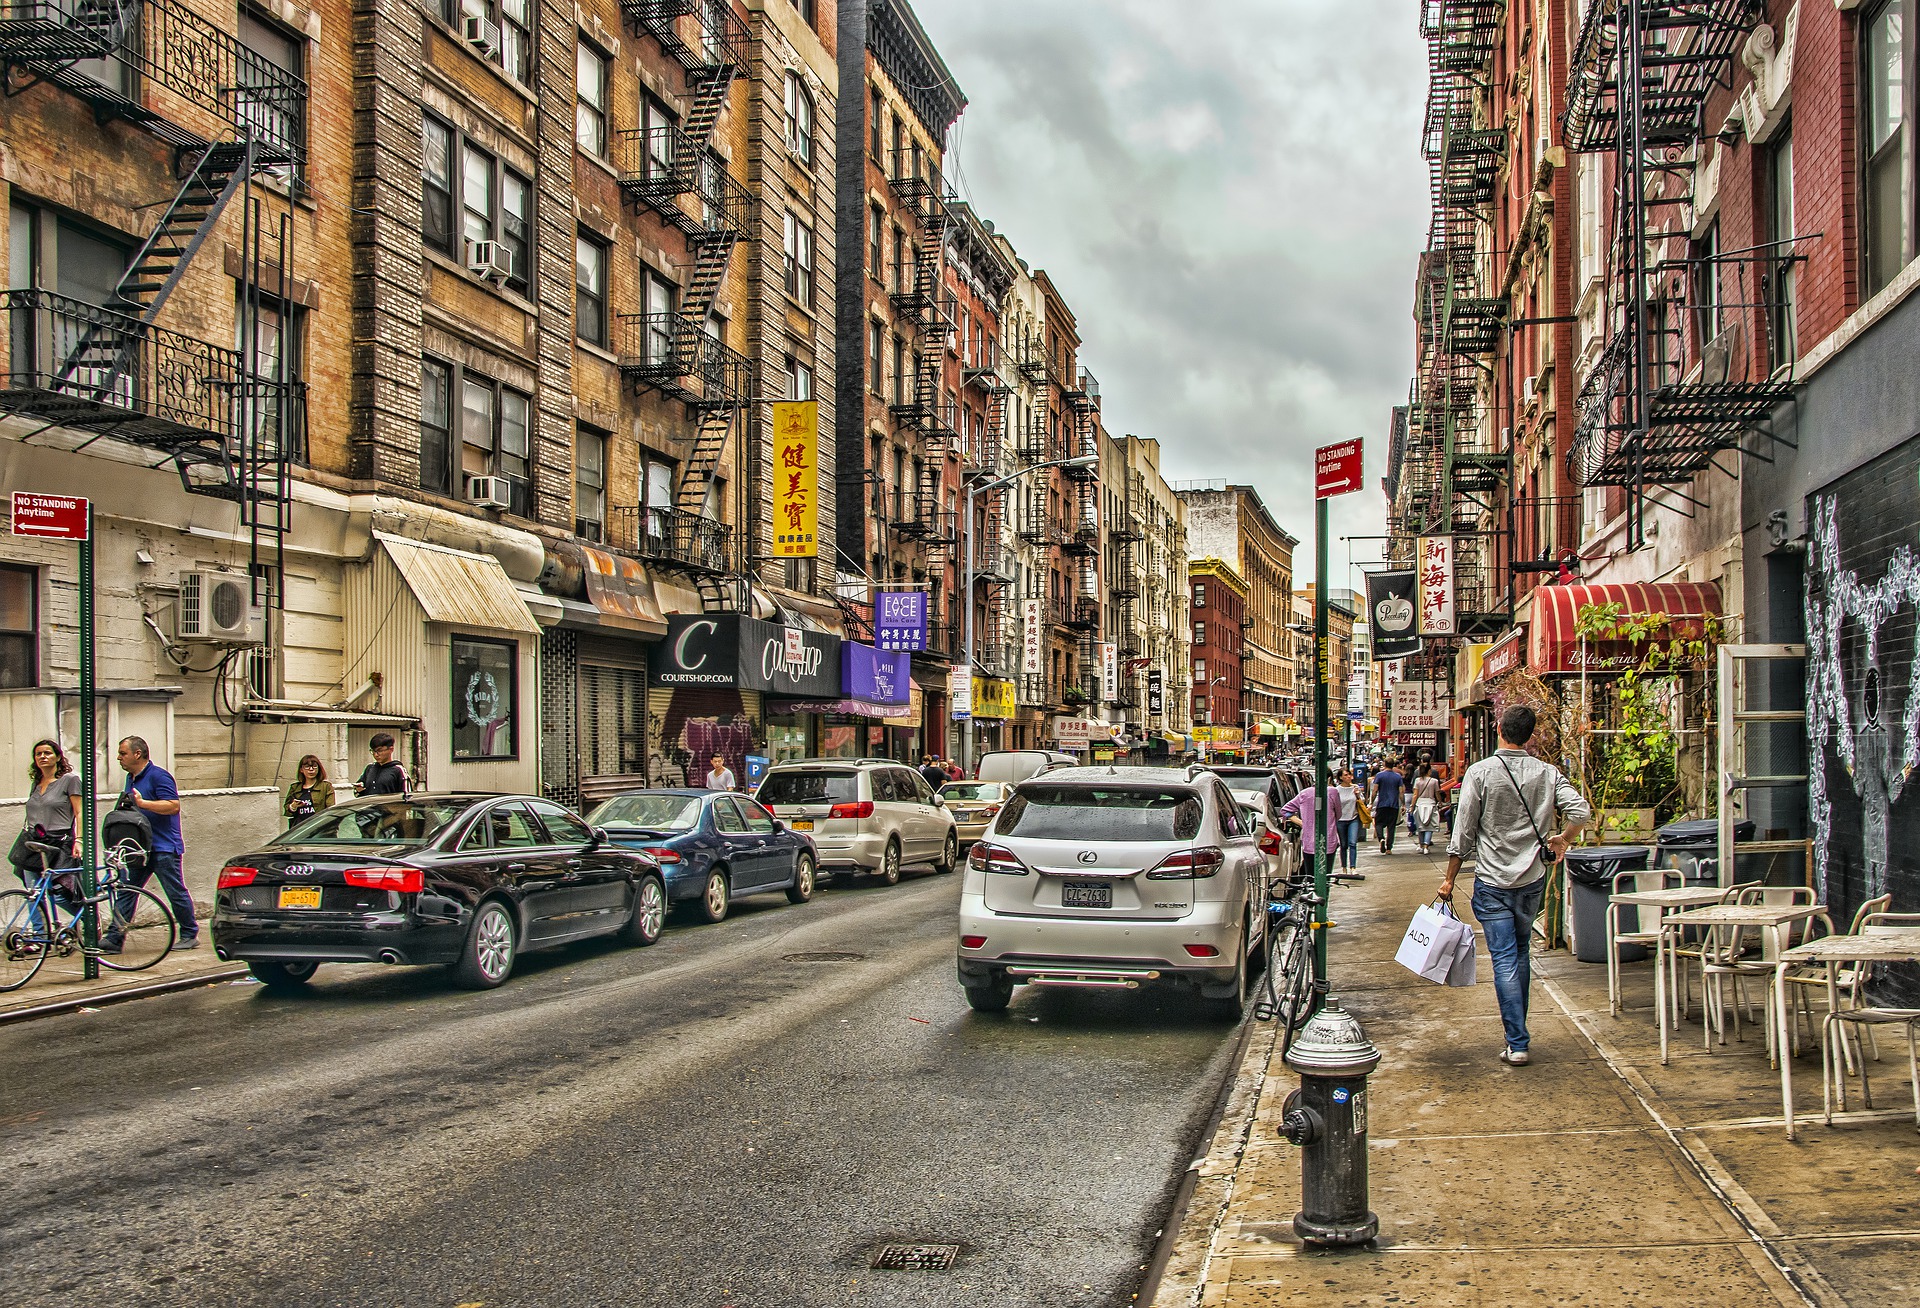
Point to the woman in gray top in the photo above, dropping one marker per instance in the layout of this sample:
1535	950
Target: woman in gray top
53	804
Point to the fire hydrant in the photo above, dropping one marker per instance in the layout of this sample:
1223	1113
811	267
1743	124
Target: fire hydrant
1327	1118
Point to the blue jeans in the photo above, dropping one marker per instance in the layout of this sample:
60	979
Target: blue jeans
166	866
1349	842
1507	918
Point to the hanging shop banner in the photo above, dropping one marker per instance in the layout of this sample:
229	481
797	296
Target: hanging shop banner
900	619
960	693
992	698
872	675
1390	603
1156	691
1436	585
1032	651
721	650
796	463
1421	706
1507	654
1109	671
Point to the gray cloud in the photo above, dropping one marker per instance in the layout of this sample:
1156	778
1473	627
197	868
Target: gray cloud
1231	197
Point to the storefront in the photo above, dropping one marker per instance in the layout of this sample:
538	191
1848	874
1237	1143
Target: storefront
993	710
721	683
873	684
1224	742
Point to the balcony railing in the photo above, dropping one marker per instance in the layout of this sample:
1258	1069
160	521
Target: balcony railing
675	175
722	44
1684	52
671	536
678	357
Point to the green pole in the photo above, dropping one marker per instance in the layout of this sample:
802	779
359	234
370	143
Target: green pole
89	925
1322	863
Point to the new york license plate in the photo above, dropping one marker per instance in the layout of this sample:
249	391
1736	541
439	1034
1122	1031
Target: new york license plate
802	824
1086	894
299	896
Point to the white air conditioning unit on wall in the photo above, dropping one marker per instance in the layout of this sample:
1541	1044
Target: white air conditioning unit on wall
482	34
489	259
218	607
488	492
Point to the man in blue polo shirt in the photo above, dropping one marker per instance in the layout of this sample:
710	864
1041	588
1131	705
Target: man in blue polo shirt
151	789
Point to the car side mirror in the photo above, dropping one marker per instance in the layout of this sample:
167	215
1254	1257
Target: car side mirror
600	837
779	824
939	802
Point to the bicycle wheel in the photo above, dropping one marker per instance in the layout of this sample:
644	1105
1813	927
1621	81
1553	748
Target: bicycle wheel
1297	1000
23	939
144	934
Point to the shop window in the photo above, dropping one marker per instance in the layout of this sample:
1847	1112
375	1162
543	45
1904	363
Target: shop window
19	628
485	698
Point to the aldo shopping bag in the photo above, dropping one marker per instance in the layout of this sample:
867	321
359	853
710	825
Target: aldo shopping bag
1428	946
1465	969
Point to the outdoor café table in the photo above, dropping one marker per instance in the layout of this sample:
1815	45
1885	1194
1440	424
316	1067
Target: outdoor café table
1668	900
1717	915
1897	945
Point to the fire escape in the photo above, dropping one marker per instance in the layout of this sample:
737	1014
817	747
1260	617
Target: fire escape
674	172
1697	343
1124	583
993	557
110	370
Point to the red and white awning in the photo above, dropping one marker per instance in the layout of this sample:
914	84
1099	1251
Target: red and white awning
1554	648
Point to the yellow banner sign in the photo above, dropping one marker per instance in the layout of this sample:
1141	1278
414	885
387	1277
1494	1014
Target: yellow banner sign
796	463
992	698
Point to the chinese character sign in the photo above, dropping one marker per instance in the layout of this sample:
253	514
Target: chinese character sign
1109	671
900	619
1031	652
1421	706
1435	555
796	500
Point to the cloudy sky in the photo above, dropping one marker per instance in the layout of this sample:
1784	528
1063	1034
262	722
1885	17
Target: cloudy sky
1231	197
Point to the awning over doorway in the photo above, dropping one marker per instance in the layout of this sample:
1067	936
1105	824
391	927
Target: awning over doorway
453	586
1554	648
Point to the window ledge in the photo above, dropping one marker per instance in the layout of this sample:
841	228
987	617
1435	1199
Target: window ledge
597	351
1889	298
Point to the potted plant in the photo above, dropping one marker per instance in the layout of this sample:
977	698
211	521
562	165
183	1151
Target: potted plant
1074	696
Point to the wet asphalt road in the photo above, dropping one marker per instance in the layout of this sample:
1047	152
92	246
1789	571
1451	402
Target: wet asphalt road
709	1122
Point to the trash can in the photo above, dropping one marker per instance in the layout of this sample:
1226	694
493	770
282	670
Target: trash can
1694	840
1590	873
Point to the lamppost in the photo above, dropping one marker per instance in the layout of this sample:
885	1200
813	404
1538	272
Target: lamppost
973	493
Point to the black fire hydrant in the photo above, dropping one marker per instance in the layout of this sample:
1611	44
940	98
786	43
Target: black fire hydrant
1327	1118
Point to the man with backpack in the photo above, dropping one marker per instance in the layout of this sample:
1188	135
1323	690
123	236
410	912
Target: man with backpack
152	793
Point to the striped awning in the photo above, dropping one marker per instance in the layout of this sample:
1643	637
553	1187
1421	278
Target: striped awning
1554	648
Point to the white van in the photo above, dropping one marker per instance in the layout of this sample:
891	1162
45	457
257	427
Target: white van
1019	764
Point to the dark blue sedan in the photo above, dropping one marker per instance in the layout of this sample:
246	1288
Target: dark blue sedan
713	846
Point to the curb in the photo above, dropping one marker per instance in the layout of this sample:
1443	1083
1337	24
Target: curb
77	1002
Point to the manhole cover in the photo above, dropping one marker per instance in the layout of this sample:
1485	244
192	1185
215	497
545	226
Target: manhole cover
824	956
915	1257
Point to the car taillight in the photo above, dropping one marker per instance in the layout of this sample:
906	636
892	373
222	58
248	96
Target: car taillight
661	854
406	880
237	876
995	858
1202	951
1202	861
972	942
989	810
1269	843
863	809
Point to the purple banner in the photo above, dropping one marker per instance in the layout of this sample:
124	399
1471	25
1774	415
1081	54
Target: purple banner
876	676
900	619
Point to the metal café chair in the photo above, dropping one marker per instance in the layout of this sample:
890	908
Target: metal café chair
1849	979
1733	953
1867	1018
1634	883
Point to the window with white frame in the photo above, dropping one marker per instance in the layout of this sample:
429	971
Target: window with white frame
495	202
799	119
590	289
496	424
500	32
656	308
589	483
590	100
797	247
1885	148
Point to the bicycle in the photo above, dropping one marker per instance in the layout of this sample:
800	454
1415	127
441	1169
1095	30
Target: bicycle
1288	992
32	930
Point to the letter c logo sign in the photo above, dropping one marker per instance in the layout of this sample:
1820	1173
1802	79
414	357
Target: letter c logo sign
680	646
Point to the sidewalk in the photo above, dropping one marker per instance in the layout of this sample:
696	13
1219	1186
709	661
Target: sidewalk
1593	1176
60	985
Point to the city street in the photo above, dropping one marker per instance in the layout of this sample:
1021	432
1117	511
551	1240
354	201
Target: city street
740	1115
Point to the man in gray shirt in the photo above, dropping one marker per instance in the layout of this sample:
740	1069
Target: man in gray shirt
1506	812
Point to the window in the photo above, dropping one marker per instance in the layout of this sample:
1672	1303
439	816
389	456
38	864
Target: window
495	425
563	828
873	122
809	11
657	487
897	271
893	169
1706	285
1199	633
509	31
1884	195
277	357
798	247
899	371
19	628
876	380
1199	594
1199	669
656	308
799	120
1778	162
658	125
590	289
436	176
485	696
876	226
496	203
799	380
589	484
436	426
269	67
590	100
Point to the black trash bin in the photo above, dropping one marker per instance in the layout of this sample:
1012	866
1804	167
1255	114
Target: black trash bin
1590	873
1695	840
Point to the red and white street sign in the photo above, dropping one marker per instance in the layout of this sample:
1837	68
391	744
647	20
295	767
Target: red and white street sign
1336	469
56	517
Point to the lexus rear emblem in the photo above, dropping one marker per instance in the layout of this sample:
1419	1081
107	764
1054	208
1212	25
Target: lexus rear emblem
1088	856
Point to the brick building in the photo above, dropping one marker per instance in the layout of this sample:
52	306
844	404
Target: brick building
1217	600
1232	523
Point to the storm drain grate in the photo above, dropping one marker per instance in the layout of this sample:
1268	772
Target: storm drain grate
915	1257
824	956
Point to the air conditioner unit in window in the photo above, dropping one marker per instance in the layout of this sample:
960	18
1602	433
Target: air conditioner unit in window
1529	390
481	33
218	607
489	259
488	492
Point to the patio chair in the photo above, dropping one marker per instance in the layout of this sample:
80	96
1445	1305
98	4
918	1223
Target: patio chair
1634	883
1849	980
1734	953
1685	951
1833	1081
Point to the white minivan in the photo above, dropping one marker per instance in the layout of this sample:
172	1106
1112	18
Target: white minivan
864	814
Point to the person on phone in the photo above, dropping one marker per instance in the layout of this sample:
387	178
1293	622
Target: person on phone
309	792
1507	806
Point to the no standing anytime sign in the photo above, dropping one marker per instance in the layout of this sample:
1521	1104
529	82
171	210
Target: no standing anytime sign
54	517
1336	469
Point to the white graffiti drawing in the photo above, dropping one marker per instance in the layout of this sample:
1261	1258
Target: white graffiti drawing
1879	755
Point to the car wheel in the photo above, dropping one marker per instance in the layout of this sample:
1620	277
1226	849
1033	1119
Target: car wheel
715	899
487	956
282	976
802	888
889	870
950	856
649	912
993	997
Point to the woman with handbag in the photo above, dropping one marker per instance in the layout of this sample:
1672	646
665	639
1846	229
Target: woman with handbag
1424	813
1346	803
309	792
53	811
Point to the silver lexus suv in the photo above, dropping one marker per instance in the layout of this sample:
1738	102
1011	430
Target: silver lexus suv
1114	878
864	814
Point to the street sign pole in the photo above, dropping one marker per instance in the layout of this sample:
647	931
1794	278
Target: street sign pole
1322	859
90	922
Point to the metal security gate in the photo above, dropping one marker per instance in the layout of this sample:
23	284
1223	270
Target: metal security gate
559	672
613	730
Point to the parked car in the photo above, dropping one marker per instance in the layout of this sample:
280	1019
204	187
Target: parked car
1269	788
863	815
1019	764
973	804
1114	878
467	880
713	847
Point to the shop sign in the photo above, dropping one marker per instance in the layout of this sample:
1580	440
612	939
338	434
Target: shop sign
900	619
874	676
960	693
1072	733
1390	605
1420	739
916	710
992	698
730	650
1103	754
1421	706
1220	735
796	462
1156	692
1507	655
1109	671
1031	652
1435	554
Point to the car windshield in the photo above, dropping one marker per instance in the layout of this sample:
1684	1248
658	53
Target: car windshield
648	812
1247	785
1095	813
809	788
381	822
974	790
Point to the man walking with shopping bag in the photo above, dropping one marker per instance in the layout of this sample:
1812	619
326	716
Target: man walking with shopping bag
1505	819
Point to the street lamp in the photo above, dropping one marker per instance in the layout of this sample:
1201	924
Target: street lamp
973	492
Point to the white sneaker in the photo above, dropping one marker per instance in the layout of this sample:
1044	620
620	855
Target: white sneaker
1514	1057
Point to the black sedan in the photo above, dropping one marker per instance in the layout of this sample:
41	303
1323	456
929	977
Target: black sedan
470	881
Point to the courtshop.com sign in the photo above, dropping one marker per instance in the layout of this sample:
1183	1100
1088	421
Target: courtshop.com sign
732	650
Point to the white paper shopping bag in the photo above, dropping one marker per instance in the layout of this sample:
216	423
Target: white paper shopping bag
1465	968
1427	947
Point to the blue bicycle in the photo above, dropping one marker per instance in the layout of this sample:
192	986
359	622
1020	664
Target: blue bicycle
133	928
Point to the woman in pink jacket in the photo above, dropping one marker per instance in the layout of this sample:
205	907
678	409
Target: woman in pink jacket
1311	816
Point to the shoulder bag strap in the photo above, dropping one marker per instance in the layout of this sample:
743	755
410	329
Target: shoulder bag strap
1515	781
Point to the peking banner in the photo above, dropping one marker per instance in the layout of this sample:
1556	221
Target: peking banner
1391	605
1435	555
796	463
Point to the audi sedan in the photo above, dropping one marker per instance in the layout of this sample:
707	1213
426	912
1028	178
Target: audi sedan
713	847
465	880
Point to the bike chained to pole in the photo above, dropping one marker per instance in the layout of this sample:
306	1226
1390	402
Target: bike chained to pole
139	927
